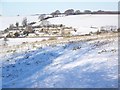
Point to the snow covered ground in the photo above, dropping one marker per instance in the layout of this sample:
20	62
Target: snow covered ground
82	64
6	21
82	23
18	41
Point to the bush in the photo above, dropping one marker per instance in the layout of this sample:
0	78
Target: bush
26	33
98	32
91	32
10	35
66	36
16	34
17	24
118	29
44	40
52	38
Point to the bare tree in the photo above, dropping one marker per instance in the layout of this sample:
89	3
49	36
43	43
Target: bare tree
17	24
11	26
24	22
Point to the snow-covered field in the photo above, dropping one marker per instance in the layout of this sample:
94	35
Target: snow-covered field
6	21
18	41
82	23
82	64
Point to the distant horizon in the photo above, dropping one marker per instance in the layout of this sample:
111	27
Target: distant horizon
32	8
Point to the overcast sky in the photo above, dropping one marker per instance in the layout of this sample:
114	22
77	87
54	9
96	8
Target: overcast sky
28	8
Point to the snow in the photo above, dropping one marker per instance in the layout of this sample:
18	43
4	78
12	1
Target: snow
82	64
6	21
18	41
85	63
83	23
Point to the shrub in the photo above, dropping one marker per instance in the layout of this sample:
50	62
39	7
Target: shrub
26	33
44	40
11	26
10	35
17	24
24	22
16	34
53	38
118	29
98	32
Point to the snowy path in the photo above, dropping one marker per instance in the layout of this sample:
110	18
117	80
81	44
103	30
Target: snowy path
82	64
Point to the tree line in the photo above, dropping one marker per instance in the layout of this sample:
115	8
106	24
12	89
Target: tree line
76	12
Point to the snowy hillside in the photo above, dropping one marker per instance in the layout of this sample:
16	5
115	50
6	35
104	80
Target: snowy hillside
83	23
87	63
